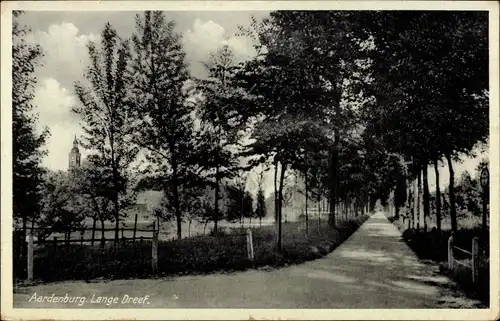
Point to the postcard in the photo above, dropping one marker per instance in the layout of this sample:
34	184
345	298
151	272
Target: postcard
263	160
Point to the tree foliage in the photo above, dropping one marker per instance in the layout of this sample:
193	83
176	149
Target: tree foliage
27	143
104	111
161	110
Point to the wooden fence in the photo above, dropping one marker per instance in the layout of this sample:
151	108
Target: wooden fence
154	248
474	255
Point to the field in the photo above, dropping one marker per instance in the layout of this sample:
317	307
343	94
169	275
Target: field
168	230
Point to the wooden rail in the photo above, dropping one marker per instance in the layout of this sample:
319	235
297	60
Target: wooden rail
154	246
56	240
474	266
462	250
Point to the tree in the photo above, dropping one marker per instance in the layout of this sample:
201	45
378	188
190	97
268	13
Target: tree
27	144
420	115
277	92
234	209
260	208
94	185
64	208
161	109
104	111
248	209
296	81
240	184
221	124
400	193
329	45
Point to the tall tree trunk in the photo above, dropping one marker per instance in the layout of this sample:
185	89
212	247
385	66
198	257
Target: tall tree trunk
115	187
307	198
93	230
175	192
453	208
346	208
419	193
216	201
280	206
395	204
277	221
319	210
415	204
24	249
438	196
332	179
307	189
276	191
426	195
103	237
242	218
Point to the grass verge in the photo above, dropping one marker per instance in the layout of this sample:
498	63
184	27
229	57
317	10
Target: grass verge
194	255
433	245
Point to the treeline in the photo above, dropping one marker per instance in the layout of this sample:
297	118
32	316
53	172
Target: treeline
469	200
355	104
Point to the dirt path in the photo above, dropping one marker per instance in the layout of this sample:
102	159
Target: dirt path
374	268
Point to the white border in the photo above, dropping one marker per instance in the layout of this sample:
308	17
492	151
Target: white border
8	313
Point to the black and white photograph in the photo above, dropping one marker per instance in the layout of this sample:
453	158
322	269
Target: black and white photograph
250	156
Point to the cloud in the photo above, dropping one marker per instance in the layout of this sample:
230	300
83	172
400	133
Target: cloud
65	52
65	58
53	104
204	38
242	47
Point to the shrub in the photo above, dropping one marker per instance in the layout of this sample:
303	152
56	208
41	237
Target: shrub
433	245
198	254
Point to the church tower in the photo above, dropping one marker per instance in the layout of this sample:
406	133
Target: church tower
74	155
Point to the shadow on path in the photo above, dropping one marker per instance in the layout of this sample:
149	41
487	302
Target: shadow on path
374	268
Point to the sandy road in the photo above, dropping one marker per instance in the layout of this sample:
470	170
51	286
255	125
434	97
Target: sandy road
374	268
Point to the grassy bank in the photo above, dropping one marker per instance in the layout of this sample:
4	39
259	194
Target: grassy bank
195	255
433	245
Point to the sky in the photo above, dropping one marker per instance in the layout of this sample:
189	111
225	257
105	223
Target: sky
64	35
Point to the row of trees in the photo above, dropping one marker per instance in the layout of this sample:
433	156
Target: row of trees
27	143
353	107
468	196
72	198
435	80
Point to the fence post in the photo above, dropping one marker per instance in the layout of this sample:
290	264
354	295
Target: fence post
250	244
68	237
475	260
135	228
450	253
154	252
30	258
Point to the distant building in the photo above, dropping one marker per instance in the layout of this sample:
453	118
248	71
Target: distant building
146	201
74	156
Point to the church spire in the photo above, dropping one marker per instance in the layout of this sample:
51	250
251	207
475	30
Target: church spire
74	155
